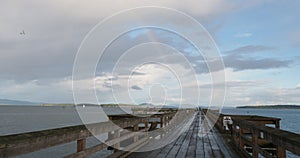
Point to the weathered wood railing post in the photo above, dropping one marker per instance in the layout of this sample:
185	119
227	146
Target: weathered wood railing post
254	144
281	152
81	145
117	134
161	122
146	127
168	120
136	136
241	132
234	133
277	124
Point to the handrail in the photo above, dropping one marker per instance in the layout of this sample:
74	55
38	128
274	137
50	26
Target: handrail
281	138
252	137
19	144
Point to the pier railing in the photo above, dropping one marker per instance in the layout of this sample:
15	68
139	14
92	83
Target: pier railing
256	139
256	136
19	144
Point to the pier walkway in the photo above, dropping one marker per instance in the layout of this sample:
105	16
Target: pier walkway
199	141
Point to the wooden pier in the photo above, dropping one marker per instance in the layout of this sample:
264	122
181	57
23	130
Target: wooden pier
199	141
247	136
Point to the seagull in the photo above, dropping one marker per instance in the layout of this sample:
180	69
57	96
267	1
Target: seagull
22	33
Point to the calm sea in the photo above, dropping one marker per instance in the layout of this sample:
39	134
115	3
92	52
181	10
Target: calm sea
19	119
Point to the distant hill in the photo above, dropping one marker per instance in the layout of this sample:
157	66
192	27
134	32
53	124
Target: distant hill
272	107
16	102
63	104
146	104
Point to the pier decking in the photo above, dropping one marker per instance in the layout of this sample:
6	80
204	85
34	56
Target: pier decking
199	141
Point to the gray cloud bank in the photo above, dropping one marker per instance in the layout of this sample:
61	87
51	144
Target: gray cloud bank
37	66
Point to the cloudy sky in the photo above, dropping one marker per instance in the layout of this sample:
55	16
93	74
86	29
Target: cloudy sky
259	42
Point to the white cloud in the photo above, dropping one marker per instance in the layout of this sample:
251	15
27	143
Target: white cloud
156	83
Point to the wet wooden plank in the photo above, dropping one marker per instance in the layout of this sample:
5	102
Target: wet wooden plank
207	148
191	144
208	153
218	154
200	148
164	152
184	146
200	145
174	151
193	141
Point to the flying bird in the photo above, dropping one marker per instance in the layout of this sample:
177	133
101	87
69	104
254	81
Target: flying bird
22	33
